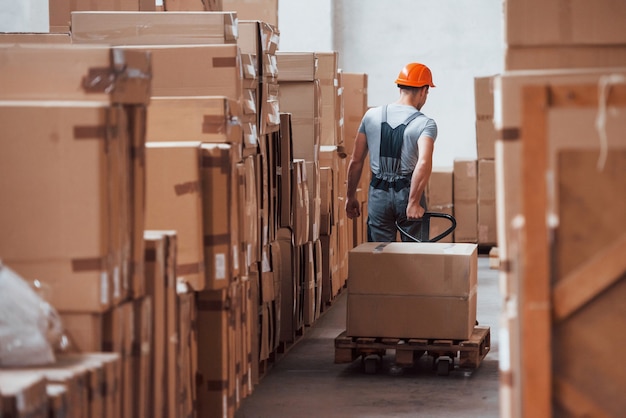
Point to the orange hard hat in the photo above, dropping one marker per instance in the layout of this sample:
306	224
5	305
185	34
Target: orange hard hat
415	74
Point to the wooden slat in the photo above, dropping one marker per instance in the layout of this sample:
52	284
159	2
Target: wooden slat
587	281
576	402
586	95
417	342
535	321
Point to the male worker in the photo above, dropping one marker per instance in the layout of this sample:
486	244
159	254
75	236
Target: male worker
400	140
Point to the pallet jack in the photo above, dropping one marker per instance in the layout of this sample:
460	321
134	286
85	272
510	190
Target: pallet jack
371	350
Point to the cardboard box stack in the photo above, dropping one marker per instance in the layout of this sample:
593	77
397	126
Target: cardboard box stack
439	197
557	151
79	228
485	147
354	86
194	173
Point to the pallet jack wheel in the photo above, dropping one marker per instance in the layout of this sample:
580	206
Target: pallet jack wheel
371	364
443	366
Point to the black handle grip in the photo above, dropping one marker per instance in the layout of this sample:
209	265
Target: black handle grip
426	218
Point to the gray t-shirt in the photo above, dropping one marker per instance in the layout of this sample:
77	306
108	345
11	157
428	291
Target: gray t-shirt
396	115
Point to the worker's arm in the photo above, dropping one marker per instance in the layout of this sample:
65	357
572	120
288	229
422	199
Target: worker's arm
420	177
355	168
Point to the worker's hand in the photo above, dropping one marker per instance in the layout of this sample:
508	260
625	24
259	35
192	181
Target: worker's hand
414	211
353	208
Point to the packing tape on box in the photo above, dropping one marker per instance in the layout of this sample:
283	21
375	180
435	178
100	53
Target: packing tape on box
187	187
224	62
216	239
89	264
380	248
189	268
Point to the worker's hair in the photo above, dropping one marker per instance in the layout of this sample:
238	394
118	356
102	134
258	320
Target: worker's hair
411	89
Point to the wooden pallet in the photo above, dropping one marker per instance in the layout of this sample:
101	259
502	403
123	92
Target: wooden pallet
470	352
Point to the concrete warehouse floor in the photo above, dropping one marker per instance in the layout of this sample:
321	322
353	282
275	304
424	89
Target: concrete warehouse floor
307	383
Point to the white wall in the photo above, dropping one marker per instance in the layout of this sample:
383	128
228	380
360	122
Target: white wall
457	39
24	16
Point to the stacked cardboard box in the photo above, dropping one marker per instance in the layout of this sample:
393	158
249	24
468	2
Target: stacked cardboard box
439	196
485	147
354	94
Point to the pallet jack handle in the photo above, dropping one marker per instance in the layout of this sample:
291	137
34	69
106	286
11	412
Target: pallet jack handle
426	218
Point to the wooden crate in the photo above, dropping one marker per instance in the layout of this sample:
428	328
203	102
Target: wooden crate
572	280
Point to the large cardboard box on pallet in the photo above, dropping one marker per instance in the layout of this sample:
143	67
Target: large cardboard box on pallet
412	290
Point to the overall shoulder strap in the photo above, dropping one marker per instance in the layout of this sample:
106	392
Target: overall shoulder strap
411	118
383	118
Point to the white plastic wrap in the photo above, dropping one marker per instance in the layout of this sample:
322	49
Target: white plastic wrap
29	326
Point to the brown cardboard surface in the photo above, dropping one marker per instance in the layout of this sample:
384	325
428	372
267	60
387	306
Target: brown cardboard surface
302	100
214	119
284	161
465	200
213	344
396	316
564	22
264	10
439	195
551	57
422	269
300	203
111	366
153	28
484	105
59	227
156	288
220	221
313	187
355	98
142	353
194	70
329	91
83	331
174	202
288	286
308	266
60	10
487	233
260	38
74	72
296	66
35	38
